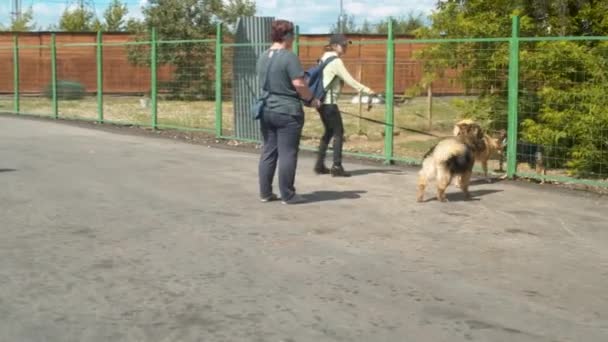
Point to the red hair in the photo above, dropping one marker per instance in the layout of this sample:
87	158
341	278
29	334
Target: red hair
280	29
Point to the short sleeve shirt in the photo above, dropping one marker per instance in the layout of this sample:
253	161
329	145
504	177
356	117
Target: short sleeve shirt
285	68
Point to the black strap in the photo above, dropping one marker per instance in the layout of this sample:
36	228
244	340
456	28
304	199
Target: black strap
265	86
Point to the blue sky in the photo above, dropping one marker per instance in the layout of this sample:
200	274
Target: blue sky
317	17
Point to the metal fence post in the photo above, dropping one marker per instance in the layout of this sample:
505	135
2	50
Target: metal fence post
296	41
99	78
218	80
153	79
54	104
513	99
16	73
389	114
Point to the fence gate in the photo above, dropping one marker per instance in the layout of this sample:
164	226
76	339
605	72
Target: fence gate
252	39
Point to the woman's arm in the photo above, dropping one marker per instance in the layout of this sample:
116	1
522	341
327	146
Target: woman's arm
342	72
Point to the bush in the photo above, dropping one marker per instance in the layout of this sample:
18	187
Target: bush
66	90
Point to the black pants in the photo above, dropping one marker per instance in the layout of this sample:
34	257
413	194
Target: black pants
282	133
334	128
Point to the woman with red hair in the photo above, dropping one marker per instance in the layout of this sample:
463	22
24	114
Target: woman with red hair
283	116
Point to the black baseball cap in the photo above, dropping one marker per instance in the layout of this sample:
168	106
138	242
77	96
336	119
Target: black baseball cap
339	39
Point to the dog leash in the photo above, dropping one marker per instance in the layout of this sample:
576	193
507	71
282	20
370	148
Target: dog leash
386	124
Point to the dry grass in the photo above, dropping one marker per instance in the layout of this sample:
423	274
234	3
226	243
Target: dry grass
412	138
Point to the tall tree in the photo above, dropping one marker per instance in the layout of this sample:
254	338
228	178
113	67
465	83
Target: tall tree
77	20
115	15
403	25
186	20
25	22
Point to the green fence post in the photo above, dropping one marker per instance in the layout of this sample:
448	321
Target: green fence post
296	41
16	73
218	80
99	77
513	99
389	115
54	104
153	80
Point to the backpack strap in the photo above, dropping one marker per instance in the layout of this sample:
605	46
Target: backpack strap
323	65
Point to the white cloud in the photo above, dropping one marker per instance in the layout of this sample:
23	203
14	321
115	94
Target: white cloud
320	15
317	17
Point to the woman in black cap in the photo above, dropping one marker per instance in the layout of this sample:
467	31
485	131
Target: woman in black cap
335	75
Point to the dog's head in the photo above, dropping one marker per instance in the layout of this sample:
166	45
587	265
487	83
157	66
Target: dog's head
471	134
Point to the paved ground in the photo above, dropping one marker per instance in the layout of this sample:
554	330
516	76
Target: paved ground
109	237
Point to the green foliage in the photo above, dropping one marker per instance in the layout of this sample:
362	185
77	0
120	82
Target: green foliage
25	23
562	102
66	90
193	63
114	16
401	26
77	20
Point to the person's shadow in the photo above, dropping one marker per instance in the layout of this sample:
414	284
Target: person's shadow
324	196
362	172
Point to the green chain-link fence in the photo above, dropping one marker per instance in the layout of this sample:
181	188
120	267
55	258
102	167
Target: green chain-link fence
546	94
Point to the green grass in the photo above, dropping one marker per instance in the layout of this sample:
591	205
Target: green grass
412	137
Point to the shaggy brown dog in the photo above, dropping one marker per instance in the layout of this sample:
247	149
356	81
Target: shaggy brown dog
454	156
489	148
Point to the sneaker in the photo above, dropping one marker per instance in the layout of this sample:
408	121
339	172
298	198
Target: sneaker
295	199
270	198
338	171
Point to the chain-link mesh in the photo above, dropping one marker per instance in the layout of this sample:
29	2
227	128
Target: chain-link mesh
35	75
186	84
76	77
563	122
7	69
439	84
126	81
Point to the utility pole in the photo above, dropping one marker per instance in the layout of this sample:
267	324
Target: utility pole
16	12
341	21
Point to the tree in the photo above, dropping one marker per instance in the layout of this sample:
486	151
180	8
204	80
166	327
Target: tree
186	20
561	82
77	20
24	22
114	16
402	25
349	26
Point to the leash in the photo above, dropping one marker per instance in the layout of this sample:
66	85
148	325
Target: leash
386	124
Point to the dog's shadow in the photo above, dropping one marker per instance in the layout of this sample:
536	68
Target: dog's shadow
482	181
7	170
325	196
460	197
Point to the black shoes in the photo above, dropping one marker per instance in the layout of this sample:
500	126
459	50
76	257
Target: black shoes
338	171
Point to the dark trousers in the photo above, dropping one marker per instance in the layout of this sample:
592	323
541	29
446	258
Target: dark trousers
282	133
334	128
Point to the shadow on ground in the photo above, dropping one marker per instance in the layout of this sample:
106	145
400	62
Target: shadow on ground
324	196
364	172
459	196
7	170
